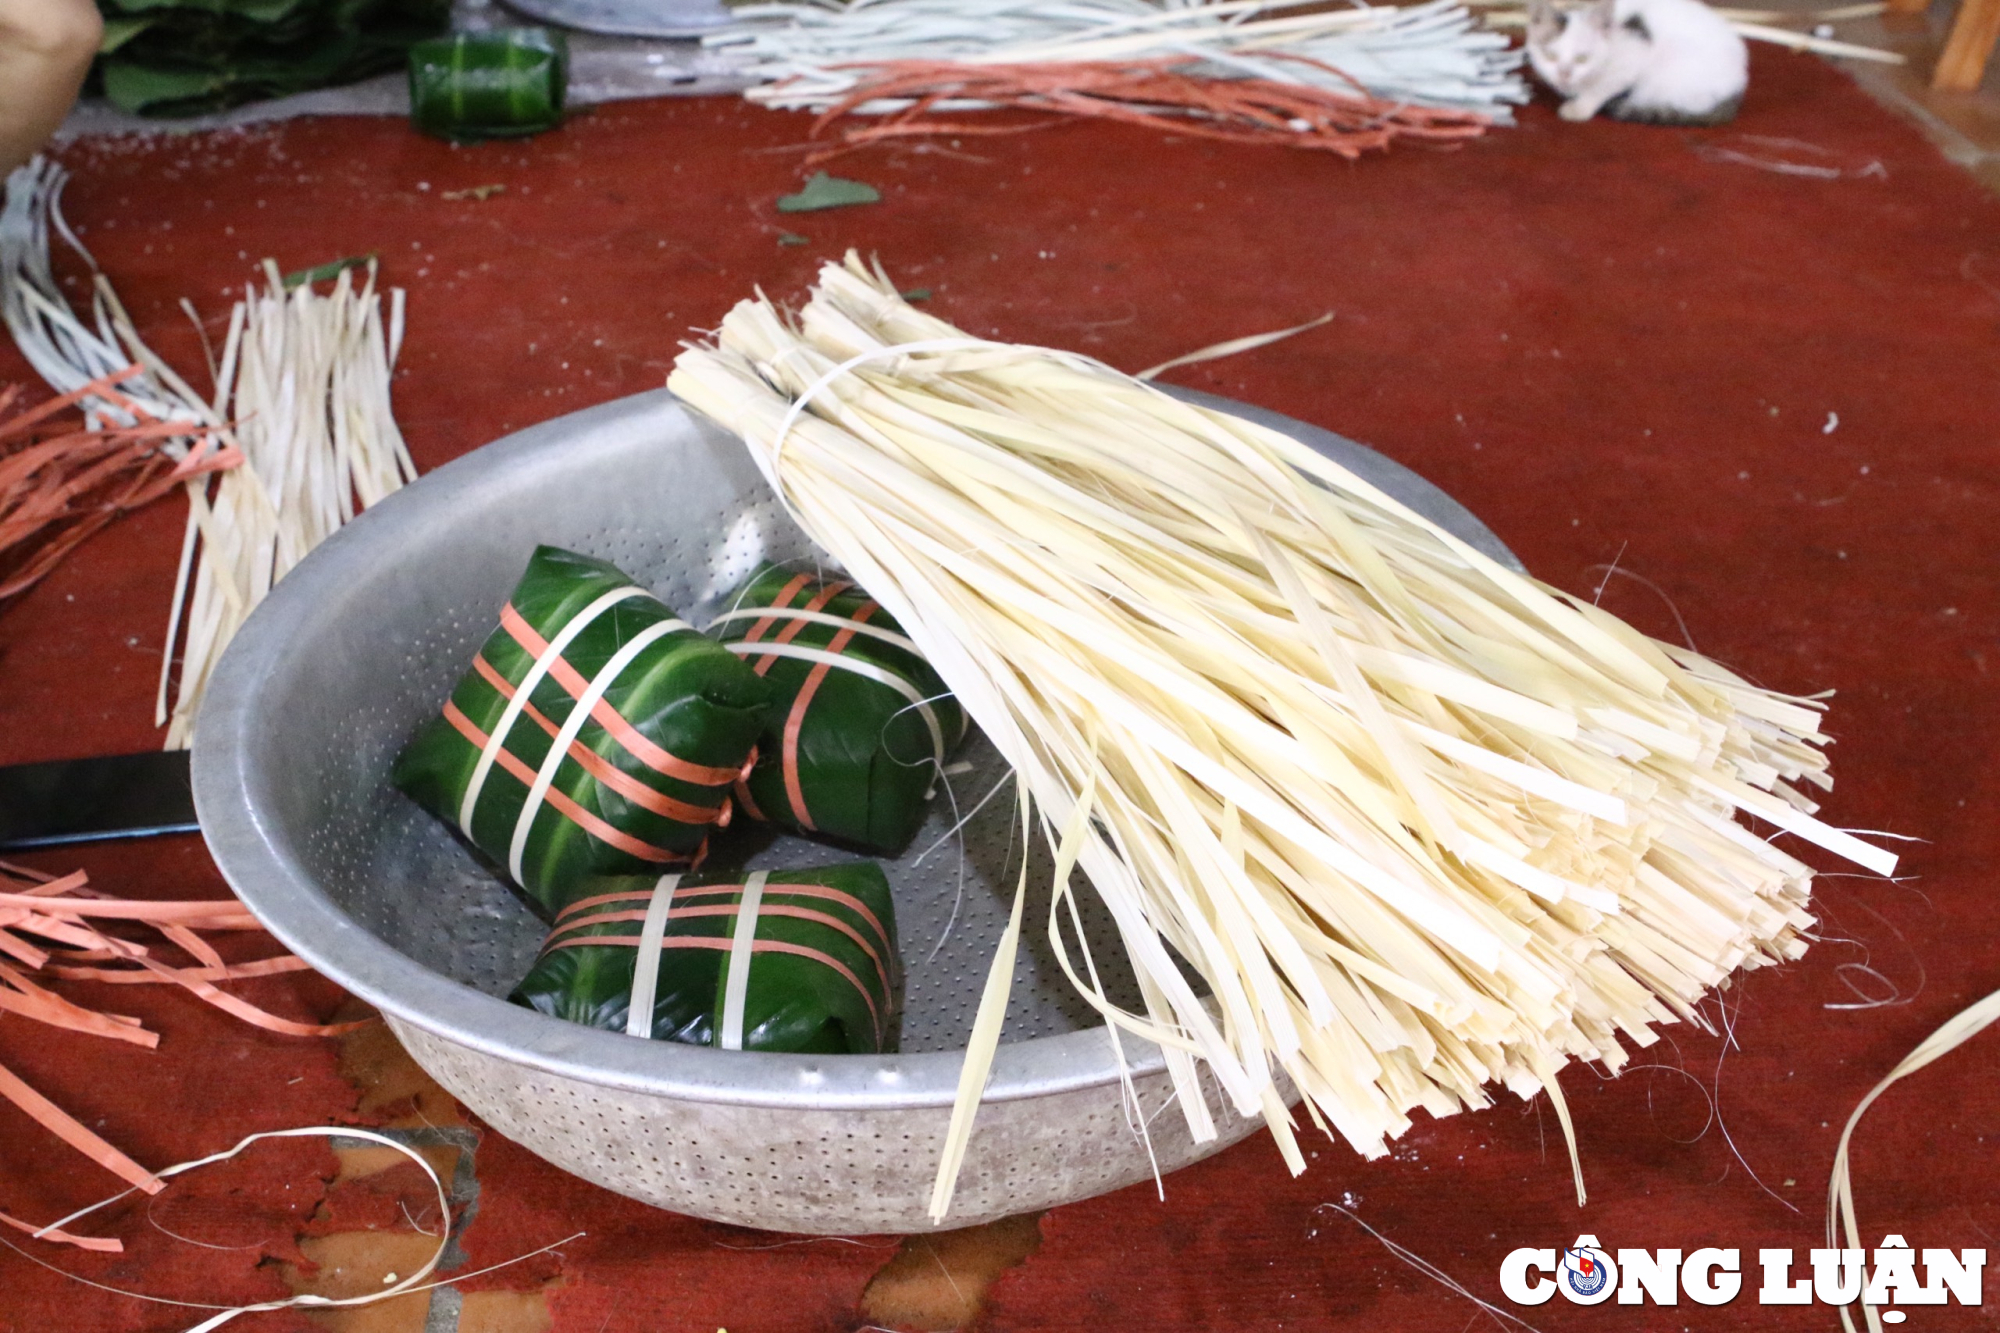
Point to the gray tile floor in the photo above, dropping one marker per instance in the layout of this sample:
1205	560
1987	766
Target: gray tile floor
1966	126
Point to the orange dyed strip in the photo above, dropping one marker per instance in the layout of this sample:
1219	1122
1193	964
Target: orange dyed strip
603	769
246	1011
59	486
19	949
73	1132
127	909
584	904
17	425
748	802
796	720
783	601
196	947
627	735
757	946
730	909
820	891
47	884
101	1244
62	909
67	930
792	631
1160	93
41	1006
139	976
564	806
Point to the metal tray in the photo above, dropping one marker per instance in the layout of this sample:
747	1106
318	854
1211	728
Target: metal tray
357	646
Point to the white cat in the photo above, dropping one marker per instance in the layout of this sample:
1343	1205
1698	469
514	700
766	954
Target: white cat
1669	62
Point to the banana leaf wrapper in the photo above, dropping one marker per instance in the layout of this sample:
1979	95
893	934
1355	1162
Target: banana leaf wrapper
802	961
163	58
489	85
862	724
656	722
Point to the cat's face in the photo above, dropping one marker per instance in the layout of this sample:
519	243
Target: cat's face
1569	43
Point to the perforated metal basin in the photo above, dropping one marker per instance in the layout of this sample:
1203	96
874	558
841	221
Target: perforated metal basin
361	642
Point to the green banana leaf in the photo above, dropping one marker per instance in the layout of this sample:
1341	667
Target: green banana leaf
117	32
821	974
646	774
186	57
847	754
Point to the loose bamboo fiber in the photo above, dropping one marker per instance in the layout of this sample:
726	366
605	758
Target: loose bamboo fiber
1170	94
1421	824
62	480
301	410
306	377
62	929
817	55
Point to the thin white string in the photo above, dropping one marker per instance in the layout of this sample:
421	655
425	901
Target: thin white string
409	1285
1428	1269
228	1312
887	636
881	675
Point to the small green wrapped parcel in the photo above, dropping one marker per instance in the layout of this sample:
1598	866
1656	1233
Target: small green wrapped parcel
596	733
862	724
499	84
802	961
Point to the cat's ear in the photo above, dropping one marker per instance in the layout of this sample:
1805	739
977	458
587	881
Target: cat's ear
1543	20
1604	15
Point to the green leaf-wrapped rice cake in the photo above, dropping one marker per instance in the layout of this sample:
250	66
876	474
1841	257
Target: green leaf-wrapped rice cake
596	733
862	724
499	84
789	960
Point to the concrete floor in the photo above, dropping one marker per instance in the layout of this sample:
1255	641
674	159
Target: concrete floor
1965	126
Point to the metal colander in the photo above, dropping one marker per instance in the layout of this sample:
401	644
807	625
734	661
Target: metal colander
360	643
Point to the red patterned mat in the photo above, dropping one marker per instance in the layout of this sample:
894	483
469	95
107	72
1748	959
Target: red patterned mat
1771	395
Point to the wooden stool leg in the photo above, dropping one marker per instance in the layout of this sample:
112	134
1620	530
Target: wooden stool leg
1970	45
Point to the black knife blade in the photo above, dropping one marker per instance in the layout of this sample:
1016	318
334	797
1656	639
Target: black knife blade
88	800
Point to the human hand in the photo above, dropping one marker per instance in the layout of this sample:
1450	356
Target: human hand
46	47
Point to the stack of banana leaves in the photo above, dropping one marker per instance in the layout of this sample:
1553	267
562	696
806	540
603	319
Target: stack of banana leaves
187	57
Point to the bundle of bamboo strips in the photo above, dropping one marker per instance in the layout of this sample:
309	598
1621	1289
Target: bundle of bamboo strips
58	929
819	55
1421	824
304	377
1166	94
